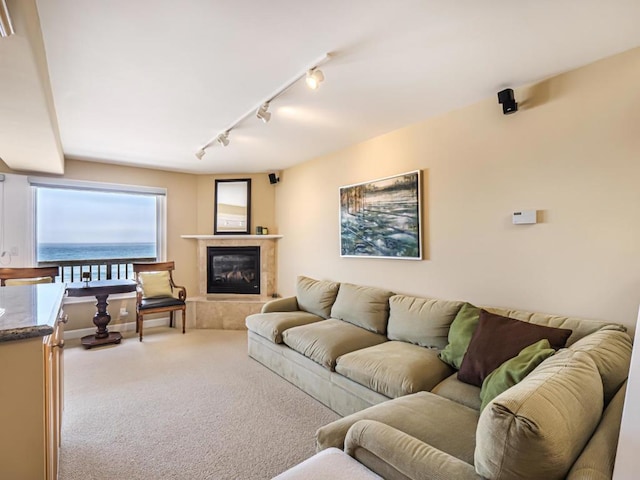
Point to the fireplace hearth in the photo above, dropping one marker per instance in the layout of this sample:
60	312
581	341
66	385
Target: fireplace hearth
233	270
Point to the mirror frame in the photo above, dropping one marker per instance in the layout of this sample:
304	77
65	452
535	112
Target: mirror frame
216	227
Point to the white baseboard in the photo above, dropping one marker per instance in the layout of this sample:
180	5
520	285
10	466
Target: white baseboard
120	327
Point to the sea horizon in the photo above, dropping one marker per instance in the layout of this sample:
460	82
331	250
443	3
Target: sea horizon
61	251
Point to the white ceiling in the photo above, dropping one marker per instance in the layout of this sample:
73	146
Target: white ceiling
148	82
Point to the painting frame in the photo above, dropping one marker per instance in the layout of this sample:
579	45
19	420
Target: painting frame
382	218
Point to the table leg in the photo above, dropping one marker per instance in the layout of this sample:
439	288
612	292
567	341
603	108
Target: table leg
101	319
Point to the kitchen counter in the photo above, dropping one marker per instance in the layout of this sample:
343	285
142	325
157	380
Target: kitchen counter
28	311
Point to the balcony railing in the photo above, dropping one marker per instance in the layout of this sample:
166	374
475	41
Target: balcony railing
100	269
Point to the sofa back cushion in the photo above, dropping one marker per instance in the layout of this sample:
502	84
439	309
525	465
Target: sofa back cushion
610	349
421	321
316	296
366	307
579	327
537	428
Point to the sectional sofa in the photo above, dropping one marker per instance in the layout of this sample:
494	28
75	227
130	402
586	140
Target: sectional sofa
434	388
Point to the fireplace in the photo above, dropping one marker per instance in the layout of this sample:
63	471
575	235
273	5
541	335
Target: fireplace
233	269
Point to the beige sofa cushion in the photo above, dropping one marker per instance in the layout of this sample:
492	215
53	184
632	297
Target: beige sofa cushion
316	296
610	348
443	424
366	307
271	325
421	321
597	459
537	428
394	368
323	342
463	393
579	327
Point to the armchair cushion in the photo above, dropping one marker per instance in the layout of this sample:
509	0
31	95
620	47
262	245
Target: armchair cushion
155	284
160	302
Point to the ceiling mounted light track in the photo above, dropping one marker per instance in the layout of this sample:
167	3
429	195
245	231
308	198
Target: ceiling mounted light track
261	111
6	27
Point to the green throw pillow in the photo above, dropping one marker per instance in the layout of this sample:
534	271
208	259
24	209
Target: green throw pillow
514	370
460	334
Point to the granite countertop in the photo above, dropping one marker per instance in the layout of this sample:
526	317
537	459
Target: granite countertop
28	311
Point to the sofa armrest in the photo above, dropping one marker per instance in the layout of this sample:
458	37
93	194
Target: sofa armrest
381	447
287	304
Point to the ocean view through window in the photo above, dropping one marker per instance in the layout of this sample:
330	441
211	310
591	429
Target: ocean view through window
94	230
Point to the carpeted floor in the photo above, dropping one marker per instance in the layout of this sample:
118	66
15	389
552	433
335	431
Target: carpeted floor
191	406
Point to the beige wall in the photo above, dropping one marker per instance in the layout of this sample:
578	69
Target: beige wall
262	201
571	152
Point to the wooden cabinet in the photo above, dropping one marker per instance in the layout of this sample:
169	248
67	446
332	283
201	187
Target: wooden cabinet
54	393
31	381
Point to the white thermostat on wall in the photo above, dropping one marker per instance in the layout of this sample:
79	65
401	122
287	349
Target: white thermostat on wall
524	217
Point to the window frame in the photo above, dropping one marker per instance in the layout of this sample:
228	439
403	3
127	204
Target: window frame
45	182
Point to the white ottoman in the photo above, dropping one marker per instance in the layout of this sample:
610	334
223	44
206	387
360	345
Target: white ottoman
329	464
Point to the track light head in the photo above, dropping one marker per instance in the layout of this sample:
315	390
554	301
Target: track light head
314	78
200	153
508	101
263	113
223	138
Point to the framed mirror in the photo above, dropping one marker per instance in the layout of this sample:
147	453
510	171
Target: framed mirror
232	207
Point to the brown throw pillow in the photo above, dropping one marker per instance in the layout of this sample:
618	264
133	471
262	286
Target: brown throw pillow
497	339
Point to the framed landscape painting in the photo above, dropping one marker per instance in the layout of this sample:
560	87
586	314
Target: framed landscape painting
381	218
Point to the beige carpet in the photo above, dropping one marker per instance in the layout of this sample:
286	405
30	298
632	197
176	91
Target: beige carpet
191	406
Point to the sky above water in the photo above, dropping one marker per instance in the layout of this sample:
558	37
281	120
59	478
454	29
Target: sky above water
80	216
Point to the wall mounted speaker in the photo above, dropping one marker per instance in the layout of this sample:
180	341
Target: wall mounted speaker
508	101
273	178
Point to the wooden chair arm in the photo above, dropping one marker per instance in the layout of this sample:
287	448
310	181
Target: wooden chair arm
182	292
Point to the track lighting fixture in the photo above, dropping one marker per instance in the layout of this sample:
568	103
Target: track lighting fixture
223	138
314	78
6	27
263	114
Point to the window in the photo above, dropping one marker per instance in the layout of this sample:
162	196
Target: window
88	224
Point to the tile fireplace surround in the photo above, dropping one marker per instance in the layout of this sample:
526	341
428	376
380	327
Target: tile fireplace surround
228	311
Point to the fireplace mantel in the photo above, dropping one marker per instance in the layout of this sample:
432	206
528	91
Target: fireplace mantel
231	237
268	277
